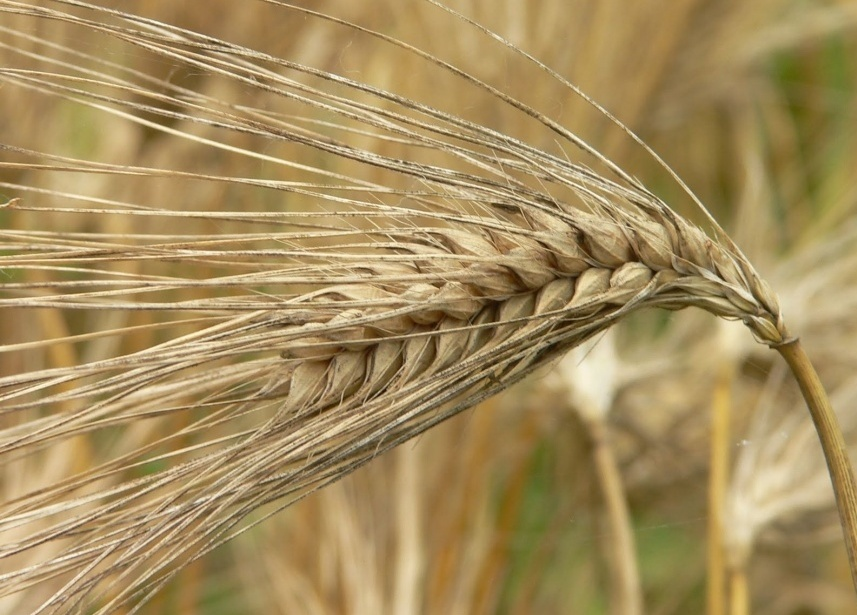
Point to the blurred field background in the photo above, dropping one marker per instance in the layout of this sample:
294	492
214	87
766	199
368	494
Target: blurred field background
510	508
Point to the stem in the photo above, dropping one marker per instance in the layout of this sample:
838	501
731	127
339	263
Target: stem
409	552
717	485
739	594
832	443
627	594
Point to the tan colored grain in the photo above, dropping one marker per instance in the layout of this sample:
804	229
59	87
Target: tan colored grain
360	322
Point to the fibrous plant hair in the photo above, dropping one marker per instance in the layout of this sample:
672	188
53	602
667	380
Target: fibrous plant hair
414	263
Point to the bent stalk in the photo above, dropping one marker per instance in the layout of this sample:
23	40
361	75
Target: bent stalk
832	442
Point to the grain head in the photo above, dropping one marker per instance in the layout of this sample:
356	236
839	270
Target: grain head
375	265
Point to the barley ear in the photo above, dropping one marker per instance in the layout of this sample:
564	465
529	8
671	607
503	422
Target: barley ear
832	443
422	279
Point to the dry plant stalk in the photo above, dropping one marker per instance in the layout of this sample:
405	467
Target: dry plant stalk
590	377
415	286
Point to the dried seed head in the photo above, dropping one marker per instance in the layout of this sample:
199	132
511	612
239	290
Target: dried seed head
382	295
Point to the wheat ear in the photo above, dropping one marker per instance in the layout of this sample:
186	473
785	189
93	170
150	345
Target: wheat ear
332	335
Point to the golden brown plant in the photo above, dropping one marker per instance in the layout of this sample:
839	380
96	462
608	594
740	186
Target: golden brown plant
410	263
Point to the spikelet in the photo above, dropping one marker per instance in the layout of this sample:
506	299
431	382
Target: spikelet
415	264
